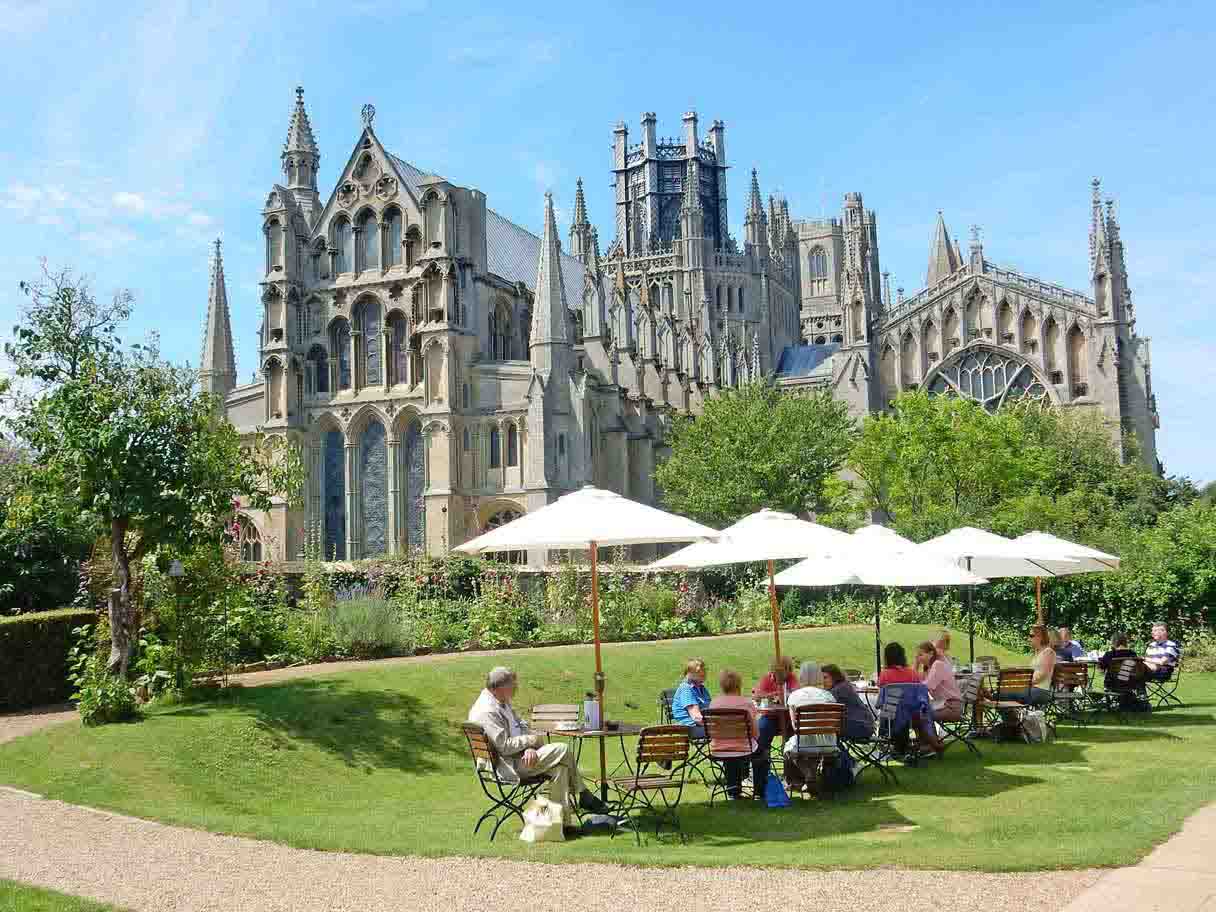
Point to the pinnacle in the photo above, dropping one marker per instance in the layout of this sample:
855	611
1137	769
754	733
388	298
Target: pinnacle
218	356
580	204
944	259
299	130
549	311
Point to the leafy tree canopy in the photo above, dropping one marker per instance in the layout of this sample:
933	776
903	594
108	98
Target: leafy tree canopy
756	447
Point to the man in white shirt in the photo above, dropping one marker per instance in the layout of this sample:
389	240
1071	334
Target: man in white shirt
523	754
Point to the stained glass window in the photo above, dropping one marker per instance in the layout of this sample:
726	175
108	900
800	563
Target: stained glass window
373	489
369	324
341	346
991	378
344	245
415	478
393	251
369	233
335	496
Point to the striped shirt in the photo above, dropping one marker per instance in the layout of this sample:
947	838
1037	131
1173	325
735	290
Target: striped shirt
1166	652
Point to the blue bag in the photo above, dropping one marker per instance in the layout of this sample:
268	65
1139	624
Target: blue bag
774	793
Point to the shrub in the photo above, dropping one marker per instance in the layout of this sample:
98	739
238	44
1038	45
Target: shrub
436	623
366	625
34	651
100	696
501	614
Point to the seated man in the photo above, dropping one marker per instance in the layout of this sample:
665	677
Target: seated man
1069	649
523	754
1162	654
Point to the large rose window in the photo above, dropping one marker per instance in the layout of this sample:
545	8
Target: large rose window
990	377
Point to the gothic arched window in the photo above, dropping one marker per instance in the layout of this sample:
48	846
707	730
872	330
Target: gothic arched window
413	240
512	445
343	246
249	538
274	245
495	448
340	345
501	518
367	322
320	368
396	330
392	254
989	377
369	235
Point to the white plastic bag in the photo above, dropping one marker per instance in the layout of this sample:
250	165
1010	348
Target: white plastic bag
542	821
1036	726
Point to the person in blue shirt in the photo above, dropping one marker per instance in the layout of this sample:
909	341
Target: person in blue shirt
691	698
1069	649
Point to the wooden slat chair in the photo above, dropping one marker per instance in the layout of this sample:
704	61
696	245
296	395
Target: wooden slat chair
1011	700
728	725
700	746
660	768
1123	679
507	798
1163	692
877	751
967	727
1069	694
813	722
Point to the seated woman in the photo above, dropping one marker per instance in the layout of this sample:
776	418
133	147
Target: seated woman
731	698
896	671
779	681
804	755
939	678
858	720
895	667
690	698
1120	650
942	645
1044	668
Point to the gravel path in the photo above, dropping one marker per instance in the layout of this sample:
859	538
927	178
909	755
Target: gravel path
150	867
24	723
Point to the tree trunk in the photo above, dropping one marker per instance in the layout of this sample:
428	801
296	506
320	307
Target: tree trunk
120	601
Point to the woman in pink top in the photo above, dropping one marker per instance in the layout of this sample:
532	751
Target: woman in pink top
939	678
738	750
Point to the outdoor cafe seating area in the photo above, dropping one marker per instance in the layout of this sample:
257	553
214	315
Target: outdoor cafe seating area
811	748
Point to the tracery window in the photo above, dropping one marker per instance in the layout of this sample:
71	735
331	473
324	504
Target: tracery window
397	348
249	538
495	449
369	235
393	253
991	378
512	445
274	245
343	246
818	270
501	518
340	345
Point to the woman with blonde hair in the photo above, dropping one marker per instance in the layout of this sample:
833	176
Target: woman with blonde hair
743	752
1044	669
690	698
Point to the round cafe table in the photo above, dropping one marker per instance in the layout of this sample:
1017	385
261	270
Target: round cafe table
579	735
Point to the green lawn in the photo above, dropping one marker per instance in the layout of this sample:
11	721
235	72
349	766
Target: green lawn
16	897
373	761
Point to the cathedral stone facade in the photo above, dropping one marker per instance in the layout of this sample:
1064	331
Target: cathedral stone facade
444	370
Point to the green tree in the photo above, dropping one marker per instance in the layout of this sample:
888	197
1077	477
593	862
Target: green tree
128	440
756	447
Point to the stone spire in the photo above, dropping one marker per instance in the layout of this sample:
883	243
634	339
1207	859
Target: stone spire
550	334
217	367
1099	249
943	256
299	131
581	232
755	223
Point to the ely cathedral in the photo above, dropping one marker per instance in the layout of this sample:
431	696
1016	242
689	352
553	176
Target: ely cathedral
444	370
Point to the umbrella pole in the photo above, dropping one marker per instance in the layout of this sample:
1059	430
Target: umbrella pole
599	666
877	637
971	614
1038	599
772	599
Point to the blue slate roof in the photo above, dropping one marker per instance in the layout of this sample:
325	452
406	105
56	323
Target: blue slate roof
802	360
512	251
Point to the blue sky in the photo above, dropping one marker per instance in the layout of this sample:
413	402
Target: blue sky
131	135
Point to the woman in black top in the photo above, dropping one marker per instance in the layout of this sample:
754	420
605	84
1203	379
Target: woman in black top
858	720
1118	650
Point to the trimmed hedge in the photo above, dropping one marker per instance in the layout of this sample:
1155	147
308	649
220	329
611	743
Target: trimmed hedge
34	656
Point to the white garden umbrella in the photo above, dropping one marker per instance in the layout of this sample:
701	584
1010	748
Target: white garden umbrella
876	556
1074	558
766	535
993	556
586	519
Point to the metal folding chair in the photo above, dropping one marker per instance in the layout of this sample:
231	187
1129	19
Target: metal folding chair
1162	691
967	727
507	798
878	750
1068	692
661	768
1124	681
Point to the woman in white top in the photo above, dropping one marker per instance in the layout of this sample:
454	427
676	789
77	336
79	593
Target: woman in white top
803	755
1044	670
